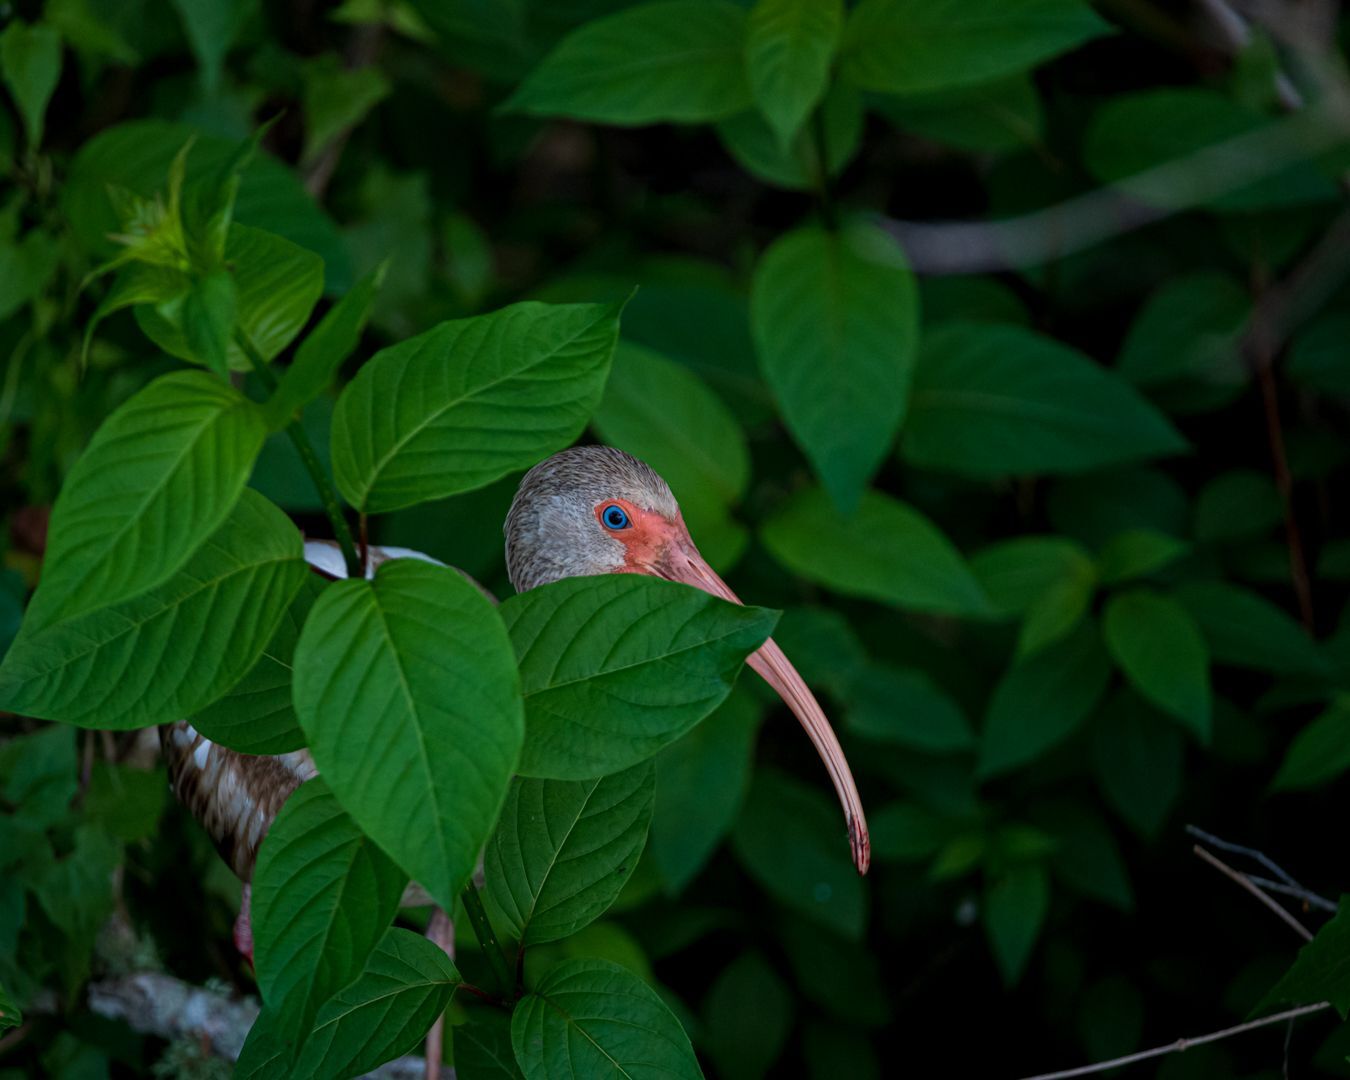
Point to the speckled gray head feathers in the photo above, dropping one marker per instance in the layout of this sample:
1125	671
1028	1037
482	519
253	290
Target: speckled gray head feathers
552	532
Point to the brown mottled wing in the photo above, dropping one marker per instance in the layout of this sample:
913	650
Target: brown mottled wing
234	796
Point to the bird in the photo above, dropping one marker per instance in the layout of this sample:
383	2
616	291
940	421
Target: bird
585	511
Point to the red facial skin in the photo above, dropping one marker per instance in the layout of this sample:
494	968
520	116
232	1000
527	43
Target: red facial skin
656	545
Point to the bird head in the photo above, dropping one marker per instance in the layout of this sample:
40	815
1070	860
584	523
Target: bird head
596	510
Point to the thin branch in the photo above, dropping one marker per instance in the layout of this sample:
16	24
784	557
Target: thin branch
1197	178
1261	857
1182	1044
1298	892
1246	883
441	932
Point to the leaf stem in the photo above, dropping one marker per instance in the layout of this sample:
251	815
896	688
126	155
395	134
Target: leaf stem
300	440
828	210
487	939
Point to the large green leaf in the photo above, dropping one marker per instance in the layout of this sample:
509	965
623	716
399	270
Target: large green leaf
276	285
1160	649
1138	755
407	690
614	668
1322	970
791	841
1134	132
1015	907
747	1017
1319	753
470	401
1243	628
887	551
1042	700
30	60
406	984
1017	575
324	349
136	156
992	400
323	897
799	164
788	48
157	479
590	1018
169	652
835	317
660	411
701	780
256	716
681	60
985	118
1189	329
909	46
564	848
904	706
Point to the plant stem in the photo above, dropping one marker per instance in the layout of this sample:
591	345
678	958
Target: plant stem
482	928
827	207
300	440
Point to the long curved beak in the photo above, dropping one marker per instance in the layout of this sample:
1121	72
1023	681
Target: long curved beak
685	564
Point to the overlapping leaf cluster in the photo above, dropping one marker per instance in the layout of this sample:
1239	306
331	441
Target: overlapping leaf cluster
1051	507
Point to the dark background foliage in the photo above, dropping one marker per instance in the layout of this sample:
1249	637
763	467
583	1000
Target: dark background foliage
1032	723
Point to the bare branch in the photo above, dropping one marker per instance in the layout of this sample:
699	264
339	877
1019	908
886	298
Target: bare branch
1182	1044
1290	886
1246	883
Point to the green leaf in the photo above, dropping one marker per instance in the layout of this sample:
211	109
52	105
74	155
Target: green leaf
788	48
406	688
136	155
1138	756
835	318
208	320
1015	574
276	285
126	801
987	118
888	552
482	1045
38	772
324	349
563	850
470	401
30	59
791	841
702	779
1317	356
211	26
1322	970
904	831
158	477
1237	505
992	400
1134	132
256	716
1319	753
678	60
1244	629
797	166
323	897
407	983
1040	701
910	46
1160	649
10	1017
614	668
904	706
1189	329
1095	507
1137	553
1087	857
747	1017
169	652
589	1018
1014	910
660	411
336	98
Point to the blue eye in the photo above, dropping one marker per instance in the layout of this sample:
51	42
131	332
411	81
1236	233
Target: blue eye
614	517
